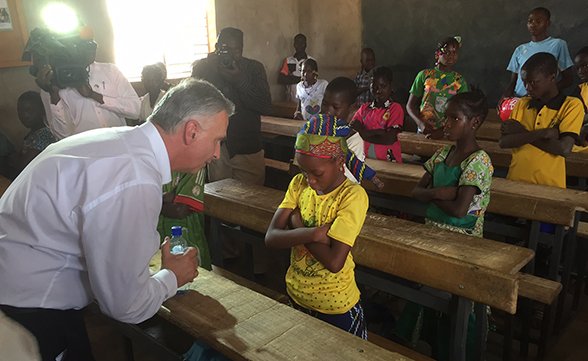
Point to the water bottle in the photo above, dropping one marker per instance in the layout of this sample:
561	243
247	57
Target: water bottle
178	245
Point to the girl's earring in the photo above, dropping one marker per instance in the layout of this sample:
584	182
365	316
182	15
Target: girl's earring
341	169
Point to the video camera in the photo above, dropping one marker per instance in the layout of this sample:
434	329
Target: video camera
225	59
67	54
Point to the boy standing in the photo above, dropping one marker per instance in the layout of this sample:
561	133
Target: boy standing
290	74
543	126
537	24
363	79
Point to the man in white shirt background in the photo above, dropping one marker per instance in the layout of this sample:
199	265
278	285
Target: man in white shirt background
80	221
105	101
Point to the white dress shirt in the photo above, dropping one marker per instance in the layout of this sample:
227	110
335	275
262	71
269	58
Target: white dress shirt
75	113
80	222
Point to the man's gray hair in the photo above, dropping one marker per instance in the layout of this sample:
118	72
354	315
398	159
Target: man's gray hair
189	98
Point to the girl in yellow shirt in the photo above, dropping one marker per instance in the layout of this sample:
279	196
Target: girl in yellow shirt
320	217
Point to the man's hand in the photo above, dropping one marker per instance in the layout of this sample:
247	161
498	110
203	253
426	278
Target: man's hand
87	92
176	210
184	266
511	126
44	76
447	193
231	75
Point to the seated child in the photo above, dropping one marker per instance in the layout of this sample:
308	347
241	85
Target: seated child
380	121
320	218
339	100
543	126
537	23
433	87
183	205
457	185
581	92
363	79
31	113
309	91
290	72
153	79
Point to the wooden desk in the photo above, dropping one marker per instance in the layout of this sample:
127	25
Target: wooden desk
283	109
482	271
4	183
413	143
245	325
507	197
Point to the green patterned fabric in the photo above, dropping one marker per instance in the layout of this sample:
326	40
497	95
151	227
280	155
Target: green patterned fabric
189	189
476	170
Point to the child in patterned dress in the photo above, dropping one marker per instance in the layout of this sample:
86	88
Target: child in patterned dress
432	88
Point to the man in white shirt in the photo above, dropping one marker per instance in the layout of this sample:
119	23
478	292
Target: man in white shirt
105	101
80	221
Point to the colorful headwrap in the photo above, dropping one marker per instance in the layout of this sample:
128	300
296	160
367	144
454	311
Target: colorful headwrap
324	136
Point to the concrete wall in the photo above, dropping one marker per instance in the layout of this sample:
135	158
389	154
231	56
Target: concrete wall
333	29
404	34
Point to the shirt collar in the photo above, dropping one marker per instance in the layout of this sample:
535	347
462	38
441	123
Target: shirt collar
387	104
554	103
159	149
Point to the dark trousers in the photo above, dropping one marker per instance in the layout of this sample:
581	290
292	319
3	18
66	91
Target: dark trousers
55	331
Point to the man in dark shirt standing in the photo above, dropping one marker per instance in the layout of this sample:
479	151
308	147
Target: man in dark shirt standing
244	82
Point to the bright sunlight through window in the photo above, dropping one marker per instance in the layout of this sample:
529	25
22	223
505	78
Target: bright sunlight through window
175	32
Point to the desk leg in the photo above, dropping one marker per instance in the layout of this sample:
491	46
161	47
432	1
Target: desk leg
214	243
128	346
508	337
459	312
567	270
582	246
481	332
543	338
526	310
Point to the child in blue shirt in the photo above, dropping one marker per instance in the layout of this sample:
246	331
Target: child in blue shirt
537	24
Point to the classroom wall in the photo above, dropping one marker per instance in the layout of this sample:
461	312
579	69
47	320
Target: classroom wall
404	35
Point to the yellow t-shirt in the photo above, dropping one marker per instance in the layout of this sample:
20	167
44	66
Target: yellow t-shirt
531	164
584	95
309	282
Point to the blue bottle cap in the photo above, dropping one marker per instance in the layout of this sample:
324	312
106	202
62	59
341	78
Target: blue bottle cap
176	231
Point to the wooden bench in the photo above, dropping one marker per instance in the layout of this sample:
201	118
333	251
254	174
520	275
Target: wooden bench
489	131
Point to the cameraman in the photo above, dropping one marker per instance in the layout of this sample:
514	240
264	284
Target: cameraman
244	82
105	101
